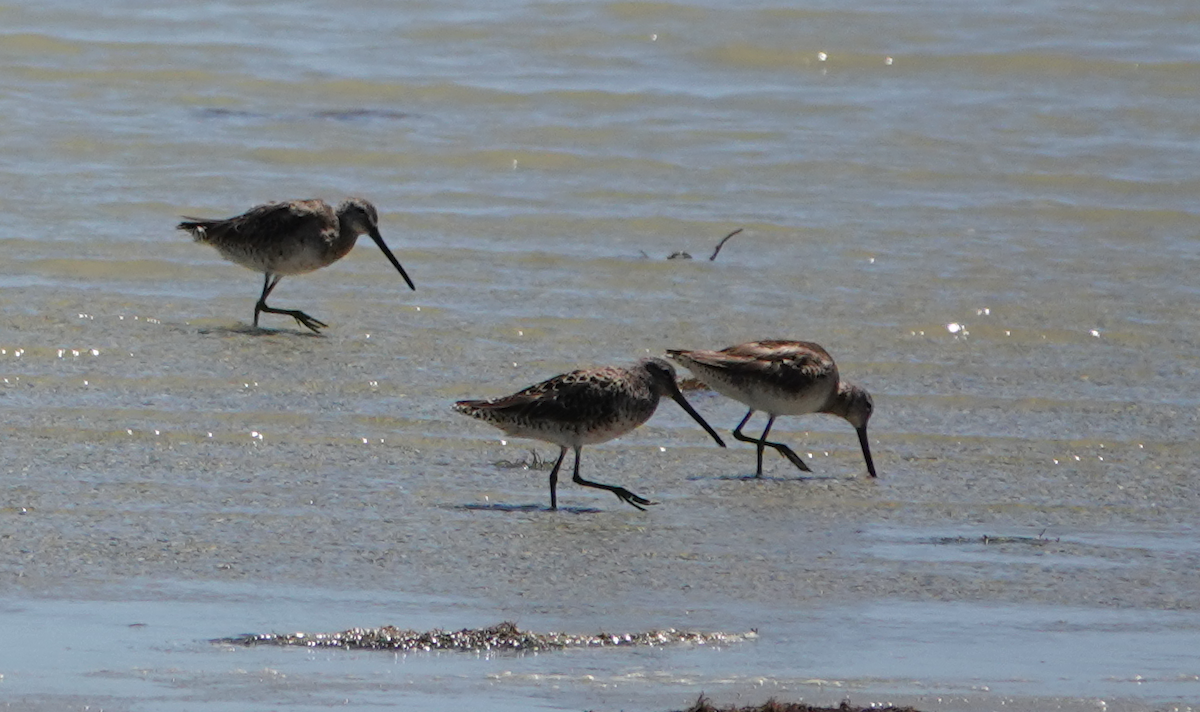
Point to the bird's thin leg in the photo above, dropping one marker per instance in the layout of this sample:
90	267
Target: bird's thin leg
737	432
761	442
758	442
262	299
783	449
269	286
554	478
303	319
622	494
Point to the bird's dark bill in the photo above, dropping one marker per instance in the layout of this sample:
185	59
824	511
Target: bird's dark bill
866	448
391	258
677	396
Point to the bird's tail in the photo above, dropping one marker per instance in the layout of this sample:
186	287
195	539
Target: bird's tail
197	227
471	407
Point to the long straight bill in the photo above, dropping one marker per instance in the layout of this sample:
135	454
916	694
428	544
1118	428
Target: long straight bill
862	439
395	262
677	396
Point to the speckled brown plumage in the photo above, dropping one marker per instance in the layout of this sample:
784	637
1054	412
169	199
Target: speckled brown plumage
782	378
582	408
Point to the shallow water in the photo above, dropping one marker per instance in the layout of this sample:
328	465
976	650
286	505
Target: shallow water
987	215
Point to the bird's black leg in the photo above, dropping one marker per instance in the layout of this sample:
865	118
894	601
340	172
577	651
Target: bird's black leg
622	494
554	478
762	443
783	449
262	299
737	435
303	319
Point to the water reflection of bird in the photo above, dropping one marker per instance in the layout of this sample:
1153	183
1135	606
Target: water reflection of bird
585	407
292	237
782	378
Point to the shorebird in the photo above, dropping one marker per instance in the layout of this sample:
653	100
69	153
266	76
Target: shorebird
585	407
291	237
782	378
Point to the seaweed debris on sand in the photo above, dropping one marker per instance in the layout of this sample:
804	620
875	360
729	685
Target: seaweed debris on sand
503	637
772	705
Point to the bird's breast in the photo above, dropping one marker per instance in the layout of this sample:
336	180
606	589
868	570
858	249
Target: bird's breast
275	258
776	398
615	425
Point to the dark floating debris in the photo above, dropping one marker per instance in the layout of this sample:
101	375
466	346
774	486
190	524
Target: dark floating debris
722	243
772	705
682	255
502	637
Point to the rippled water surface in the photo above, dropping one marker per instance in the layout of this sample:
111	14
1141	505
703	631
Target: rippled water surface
986	212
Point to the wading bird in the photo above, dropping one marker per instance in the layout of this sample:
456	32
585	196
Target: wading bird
782	378
292	237
585	407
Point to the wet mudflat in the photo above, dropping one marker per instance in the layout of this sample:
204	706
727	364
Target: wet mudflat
987	216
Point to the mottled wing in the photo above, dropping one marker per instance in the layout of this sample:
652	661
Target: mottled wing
264	222
792	365
576	397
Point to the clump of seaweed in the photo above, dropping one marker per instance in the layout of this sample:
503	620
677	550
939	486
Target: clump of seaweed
503	637
772	705
1039	540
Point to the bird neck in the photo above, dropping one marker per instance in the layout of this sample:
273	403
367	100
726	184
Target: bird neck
347	236
840	400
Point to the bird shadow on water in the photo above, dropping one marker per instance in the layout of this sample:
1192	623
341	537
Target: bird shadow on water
498	507
251	330
764	478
